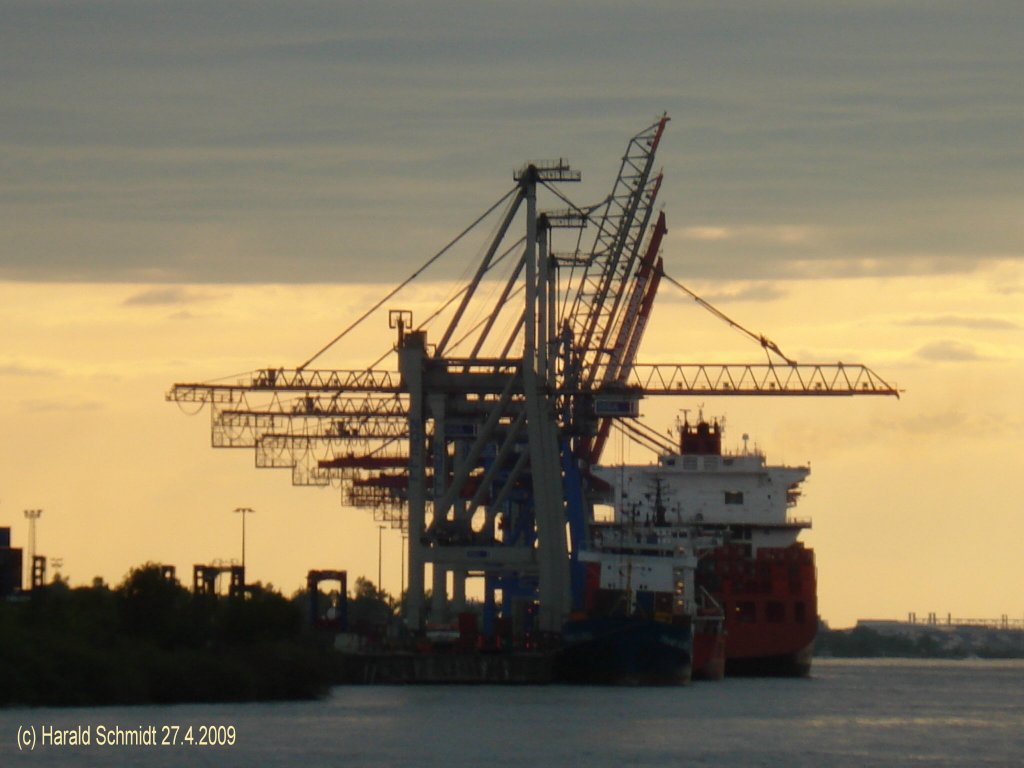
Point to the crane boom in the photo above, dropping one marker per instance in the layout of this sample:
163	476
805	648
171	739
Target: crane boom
288	380
824	379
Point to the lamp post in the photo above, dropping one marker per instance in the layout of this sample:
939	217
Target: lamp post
32	515
380	535
405	538
243	511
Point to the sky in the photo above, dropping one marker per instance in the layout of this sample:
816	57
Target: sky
190	190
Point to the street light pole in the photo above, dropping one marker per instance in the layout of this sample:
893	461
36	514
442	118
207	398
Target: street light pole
243	511
380	534
404	539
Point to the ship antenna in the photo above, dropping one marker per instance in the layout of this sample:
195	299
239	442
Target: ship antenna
682	426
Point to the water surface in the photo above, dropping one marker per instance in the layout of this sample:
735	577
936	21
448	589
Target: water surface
850	713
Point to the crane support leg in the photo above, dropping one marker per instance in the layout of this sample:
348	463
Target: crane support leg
410	360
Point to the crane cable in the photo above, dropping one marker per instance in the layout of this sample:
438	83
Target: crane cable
585	213
764	341
407	280
448	303
629	429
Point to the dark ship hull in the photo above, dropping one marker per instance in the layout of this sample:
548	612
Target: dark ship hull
625	650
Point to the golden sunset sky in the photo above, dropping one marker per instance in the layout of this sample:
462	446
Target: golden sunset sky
195	190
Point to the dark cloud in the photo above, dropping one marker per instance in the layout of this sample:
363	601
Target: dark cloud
959	321
18	369
949	351
165	295
752	292
60	406
315	141
1008	288
953	421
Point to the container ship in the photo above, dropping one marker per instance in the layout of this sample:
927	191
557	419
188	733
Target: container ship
752	566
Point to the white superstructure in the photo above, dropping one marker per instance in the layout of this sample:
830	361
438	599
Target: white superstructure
702	488
645	559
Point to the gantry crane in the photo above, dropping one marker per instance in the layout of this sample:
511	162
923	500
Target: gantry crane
483	457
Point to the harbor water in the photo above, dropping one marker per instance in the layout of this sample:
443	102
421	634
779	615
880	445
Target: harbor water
849	713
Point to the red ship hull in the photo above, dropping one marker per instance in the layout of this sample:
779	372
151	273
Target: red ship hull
770	605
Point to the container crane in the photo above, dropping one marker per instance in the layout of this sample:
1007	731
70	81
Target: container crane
484	459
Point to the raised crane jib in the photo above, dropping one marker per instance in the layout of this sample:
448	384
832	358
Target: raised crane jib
631	329
593	314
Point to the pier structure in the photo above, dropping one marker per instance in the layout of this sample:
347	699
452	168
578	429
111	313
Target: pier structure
204	578
10	565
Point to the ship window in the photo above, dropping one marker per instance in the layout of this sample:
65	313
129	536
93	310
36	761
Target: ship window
775	611
734	497
746	611
800	612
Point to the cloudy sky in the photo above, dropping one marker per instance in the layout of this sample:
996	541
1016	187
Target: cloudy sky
188	190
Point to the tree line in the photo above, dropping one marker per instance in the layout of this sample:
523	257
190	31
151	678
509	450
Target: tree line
150	640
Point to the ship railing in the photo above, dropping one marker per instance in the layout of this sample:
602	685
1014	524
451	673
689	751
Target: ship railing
754	452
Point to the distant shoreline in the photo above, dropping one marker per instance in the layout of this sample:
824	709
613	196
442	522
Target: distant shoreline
920	641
